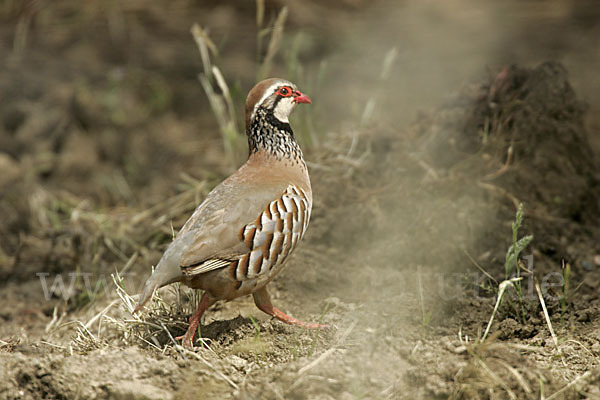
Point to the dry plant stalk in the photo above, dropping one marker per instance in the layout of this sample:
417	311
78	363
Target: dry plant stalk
501	289
84	341
260	13
547	317
212	81
274	43
386	67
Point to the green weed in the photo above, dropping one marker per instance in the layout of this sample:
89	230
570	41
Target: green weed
565	287
425	313
511	263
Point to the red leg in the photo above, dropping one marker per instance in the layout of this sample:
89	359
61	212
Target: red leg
205	302
263	302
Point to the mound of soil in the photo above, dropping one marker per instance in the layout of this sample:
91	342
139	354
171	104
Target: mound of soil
521	138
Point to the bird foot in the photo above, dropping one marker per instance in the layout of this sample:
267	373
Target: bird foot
316	326
263	302
187	340
283	317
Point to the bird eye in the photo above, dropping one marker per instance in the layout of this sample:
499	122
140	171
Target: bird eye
284	91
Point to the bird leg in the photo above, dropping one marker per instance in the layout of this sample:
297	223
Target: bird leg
205	302
263	302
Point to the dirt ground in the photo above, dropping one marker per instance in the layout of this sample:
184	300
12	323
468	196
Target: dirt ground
431	122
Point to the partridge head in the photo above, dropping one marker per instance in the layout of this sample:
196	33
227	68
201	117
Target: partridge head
239	238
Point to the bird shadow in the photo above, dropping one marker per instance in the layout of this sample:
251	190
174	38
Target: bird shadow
225	330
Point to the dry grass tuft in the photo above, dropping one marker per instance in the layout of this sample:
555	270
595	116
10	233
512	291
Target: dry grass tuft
9	344
158	326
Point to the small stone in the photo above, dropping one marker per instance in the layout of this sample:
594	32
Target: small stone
596	348
10	170
136	390
239	363
46	379
346	396
588	265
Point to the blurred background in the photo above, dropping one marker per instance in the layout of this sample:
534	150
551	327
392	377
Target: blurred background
108	140
120	73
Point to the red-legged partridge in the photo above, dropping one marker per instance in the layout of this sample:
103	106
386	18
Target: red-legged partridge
240	236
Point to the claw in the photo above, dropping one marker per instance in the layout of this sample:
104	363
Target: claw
263	302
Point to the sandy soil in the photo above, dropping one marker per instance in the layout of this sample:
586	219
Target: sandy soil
430	124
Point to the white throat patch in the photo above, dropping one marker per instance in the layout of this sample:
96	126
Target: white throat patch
284	108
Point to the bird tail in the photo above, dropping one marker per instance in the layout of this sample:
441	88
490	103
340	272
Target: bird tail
146	295
162	275
167	271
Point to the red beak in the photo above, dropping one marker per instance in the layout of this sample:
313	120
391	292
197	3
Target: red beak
301	98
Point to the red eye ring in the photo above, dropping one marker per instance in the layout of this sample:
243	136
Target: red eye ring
285	91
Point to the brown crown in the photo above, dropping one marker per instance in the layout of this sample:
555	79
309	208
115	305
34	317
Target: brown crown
256	94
